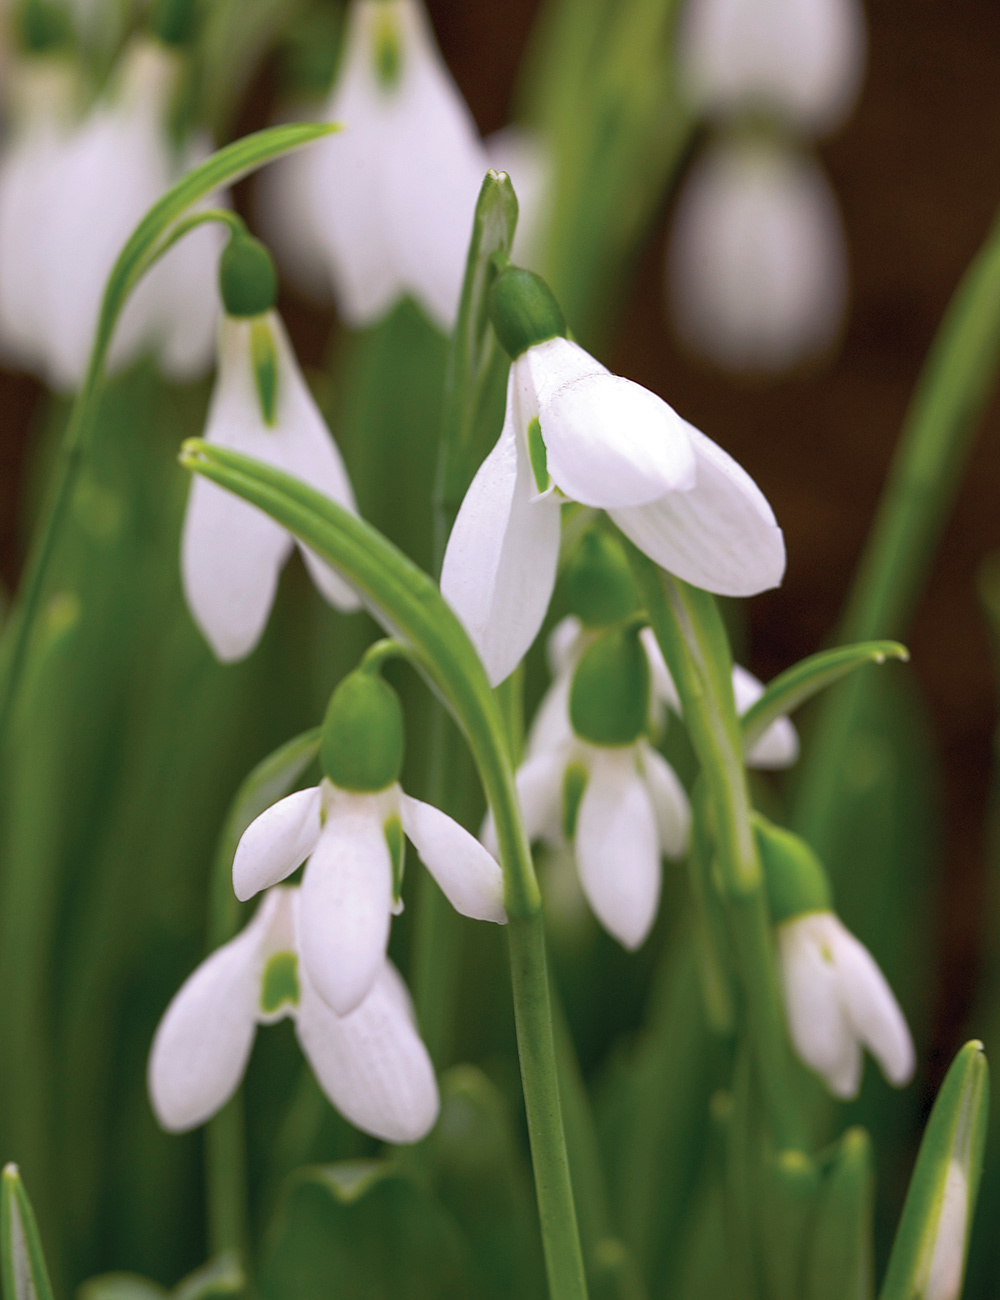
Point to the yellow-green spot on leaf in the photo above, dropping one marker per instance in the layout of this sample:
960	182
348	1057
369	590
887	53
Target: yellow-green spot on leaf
538	455
280	985
393	831
388	50
265	368
574	784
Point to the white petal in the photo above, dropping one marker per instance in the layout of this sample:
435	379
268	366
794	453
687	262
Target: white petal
779	745
539	788
721	535
670	803
469	877
609	442
203	1042
551	727
346	904
617	848
817	1024
664	687
564	647
500	564
874	1013
371	1064
277	842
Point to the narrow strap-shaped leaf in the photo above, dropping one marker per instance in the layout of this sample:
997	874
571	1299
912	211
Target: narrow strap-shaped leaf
804	679
840	1262
22	1263
121	1286
929	1252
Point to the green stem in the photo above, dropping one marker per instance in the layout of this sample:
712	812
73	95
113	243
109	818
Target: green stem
690	632
409	603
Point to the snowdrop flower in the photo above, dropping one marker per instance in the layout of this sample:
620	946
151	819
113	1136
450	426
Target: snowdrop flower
351	828
392	196
802	58
574	431
836	998
757	262
604	789
371	1064
115	165
232	553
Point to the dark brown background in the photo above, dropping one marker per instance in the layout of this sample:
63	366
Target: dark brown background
917	171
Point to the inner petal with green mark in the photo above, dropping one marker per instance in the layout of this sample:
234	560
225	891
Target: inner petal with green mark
388	50
280	984
265	368
538	455
393	831
574	784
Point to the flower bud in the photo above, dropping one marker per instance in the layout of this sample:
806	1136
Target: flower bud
609	698
248	281
598	582
362	744
524	311
793	875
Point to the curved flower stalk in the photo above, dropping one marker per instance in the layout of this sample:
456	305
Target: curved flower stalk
107	174
350	832
757	260
371	1064
231	553
836	998
574	431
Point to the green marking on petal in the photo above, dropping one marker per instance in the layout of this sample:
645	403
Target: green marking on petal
388	50
265	368
280	984
574	784
538	455
393	831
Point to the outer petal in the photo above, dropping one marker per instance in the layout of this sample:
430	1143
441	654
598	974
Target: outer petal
469	876
871	1007
609	442
670	803
721	535
816	1021
277	842
664	687
203	1042
565	644
539	788
779	745
346	903
371	1064
551	727
617	848
500	565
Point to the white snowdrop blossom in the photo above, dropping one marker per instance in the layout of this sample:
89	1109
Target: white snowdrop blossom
838	1001
390	198
621	808
574	431
232	553
109	171
354	845
757	261
371	1063
801	58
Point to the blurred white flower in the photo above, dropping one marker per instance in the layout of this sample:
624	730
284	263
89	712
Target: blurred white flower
354	845
801	58
574	431
231	552
371	1064
838	1001
757	260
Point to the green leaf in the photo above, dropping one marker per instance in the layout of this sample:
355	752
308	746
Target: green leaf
22	1263
367	1231
809	676
121	1286
840	1261
929	1252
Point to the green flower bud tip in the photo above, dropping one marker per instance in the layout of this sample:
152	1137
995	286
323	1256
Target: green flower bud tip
362	744
609	698
793	875
248	281
42	27
598	582
524	311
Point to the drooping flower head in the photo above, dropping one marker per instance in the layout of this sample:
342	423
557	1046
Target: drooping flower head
836	998
371	1064
351	831
232	553
573	431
